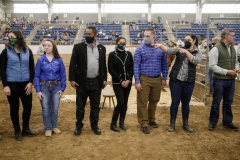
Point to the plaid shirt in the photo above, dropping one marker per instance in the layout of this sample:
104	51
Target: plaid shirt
150	61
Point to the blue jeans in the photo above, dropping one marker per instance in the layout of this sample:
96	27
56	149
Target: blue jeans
222	89
210	80
180	91
50	105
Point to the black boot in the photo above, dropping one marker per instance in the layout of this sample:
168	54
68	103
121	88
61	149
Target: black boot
18	135
186	126
27	131
171	127
113	125
122	118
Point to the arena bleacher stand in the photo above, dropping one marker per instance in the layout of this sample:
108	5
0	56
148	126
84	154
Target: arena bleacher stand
63	35
234	26
137	29
106	32
196	28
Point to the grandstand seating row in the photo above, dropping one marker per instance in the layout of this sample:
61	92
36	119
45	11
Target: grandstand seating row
197	29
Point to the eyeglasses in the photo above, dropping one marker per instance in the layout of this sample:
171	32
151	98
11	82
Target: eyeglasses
232	35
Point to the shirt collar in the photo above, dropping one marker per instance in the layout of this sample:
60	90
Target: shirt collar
148	45
12	47
94	44
45	57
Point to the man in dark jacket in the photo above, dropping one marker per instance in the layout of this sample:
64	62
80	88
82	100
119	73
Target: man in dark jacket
88	75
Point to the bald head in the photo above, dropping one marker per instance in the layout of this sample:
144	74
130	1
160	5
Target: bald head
215	40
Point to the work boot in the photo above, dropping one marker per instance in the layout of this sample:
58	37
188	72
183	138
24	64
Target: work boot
186	126
122	118
26	131
18	135
113	125
171	127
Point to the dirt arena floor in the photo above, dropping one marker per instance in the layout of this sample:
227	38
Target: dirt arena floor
221	144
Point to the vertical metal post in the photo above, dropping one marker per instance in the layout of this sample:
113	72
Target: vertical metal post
207	65
176	30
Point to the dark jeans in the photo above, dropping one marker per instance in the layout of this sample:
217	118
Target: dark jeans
222	89
18	91
210	80
180	91
122	95
92	90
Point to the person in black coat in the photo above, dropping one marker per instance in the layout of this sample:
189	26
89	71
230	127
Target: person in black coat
120	67
88	75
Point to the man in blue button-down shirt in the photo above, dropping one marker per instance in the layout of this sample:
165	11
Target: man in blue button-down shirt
150	72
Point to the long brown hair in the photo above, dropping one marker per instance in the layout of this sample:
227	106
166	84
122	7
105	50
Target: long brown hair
194	37
55	50
20	40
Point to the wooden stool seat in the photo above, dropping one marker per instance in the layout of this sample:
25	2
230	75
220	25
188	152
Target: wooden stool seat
109	97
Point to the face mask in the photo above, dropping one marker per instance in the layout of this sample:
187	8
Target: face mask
12	41
169	44
187	44
146	41
213	44
121	47
89	39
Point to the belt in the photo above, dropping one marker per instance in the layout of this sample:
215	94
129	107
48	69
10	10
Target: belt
151	76
91	78
49	82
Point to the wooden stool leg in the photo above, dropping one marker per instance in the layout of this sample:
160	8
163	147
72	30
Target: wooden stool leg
113	102
109	102
103	102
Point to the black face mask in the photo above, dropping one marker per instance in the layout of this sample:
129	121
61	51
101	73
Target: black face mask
213	44
89	39
187	44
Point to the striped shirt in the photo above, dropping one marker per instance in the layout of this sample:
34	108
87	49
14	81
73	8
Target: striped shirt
183	72
150	61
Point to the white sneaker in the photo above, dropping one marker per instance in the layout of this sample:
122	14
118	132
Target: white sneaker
56	130
48	133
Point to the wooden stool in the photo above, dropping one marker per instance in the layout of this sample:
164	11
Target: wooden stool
109	97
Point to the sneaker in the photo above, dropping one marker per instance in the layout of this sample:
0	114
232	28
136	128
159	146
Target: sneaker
56	130
211	126
153	124
231	126
145	130
48	133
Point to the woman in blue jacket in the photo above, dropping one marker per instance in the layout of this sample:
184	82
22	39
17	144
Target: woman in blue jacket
50	83
17	73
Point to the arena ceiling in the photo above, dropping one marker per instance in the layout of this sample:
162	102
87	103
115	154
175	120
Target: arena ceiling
130	1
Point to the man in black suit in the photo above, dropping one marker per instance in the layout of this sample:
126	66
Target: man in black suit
88	75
